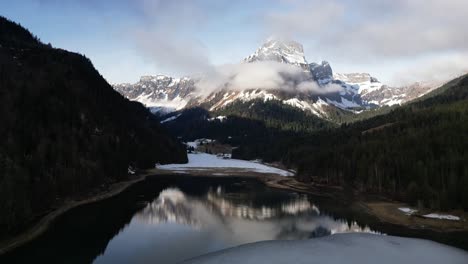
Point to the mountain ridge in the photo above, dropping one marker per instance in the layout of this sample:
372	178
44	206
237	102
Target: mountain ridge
352	92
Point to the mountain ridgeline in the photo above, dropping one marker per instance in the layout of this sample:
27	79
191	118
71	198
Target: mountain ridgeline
415	153
65	132
365	135
313	88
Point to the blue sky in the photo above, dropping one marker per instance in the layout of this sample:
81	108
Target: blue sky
396	41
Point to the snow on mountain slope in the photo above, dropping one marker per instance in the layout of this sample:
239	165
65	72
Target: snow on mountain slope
160	92
364	82
386	95
169	119
357	91
317	108
289	52
244	96
374	92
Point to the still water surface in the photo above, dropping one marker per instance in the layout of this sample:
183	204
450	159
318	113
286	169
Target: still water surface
169	220
177	226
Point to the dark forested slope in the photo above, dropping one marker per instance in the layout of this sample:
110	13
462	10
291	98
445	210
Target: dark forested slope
417	153
254	126
64	130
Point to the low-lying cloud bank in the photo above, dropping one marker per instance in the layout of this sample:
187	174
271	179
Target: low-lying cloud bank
266	75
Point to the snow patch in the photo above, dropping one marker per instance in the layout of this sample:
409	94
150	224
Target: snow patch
391	101
345	103
198	142
442	216
407	210
177	103
220	118
303	105
172	118
336	249
202	161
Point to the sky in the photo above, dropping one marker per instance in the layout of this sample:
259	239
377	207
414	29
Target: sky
397	41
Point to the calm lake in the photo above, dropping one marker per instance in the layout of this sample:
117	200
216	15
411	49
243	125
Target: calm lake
170	219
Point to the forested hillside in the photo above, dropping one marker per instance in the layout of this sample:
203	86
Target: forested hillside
64	130
275	114
254	126
417	153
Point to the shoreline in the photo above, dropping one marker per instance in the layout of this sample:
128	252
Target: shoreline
44	223
385	211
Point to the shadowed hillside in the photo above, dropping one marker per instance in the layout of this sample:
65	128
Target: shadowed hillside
64	130
416	153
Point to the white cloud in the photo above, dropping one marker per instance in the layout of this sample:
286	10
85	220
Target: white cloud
168	35
416	35
268	75
358	35
304	18
376	29
432	70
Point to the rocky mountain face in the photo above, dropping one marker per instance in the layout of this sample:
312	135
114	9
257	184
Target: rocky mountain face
321	72
289	52
351	92
160	92
375	93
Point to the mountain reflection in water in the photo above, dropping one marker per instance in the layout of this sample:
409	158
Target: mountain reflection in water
153	222
294	219
176	226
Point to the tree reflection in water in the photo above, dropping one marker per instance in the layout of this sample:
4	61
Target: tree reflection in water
237	221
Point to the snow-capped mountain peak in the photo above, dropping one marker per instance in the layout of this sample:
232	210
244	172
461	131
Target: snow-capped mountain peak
349	91
284	51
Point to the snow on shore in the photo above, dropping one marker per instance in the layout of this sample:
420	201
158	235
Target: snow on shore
407	210
341	248
443	216
202	161
199	142
410	211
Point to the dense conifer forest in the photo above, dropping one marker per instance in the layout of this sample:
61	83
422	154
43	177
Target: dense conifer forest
64	130
416	153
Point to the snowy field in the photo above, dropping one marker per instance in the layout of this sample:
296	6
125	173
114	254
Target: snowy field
337	249
202	161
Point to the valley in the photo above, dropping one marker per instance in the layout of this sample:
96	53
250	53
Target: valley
225	132
213	212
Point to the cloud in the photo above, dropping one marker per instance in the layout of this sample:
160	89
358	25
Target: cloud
168	37
172	53
354	35
303	18
364	29
417	35
313	88
362	32
432	70
267	75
